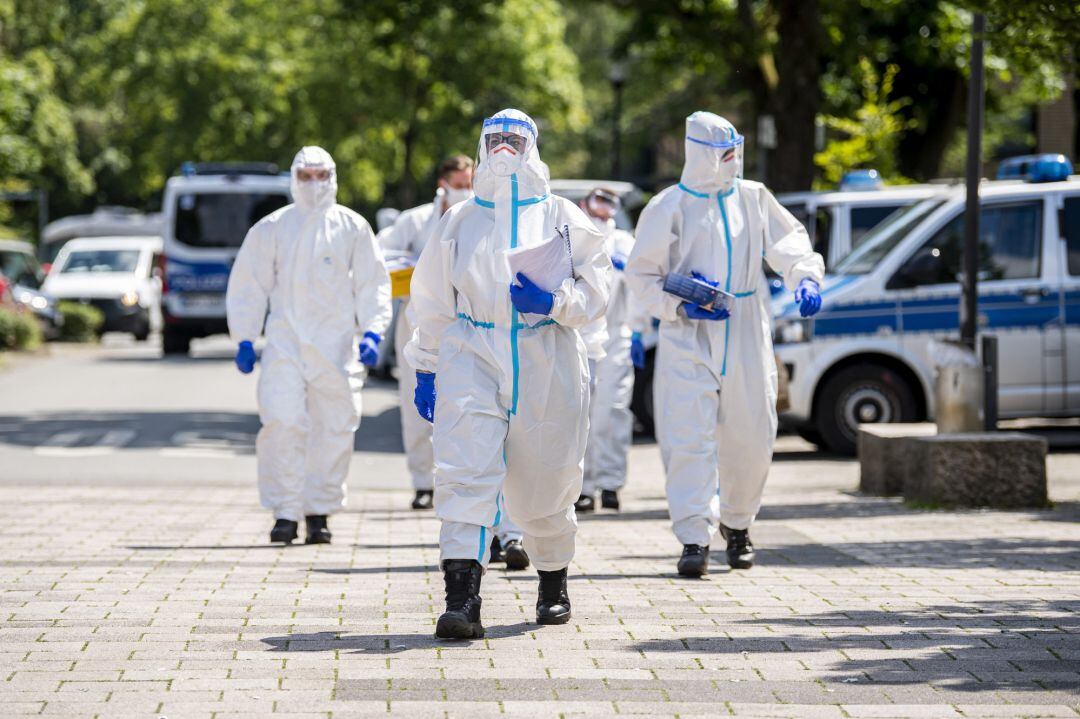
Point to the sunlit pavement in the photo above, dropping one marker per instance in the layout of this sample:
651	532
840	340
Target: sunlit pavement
135	580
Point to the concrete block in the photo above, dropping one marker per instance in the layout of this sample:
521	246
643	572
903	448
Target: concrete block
1006	470
883	457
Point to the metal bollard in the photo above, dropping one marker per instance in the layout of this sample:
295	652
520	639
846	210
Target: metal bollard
959	393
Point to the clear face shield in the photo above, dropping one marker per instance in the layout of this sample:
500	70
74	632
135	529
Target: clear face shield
504	144
314	178
726	155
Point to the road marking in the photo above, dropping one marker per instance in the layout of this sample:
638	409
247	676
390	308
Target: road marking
213	444
61	444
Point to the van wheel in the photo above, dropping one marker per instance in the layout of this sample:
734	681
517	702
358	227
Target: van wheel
174	342
861	394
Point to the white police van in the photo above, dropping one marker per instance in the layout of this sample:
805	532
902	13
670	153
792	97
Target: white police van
865	357
208	210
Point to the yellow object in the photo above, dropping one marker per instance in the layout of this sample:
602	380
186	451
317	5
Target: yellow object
399	282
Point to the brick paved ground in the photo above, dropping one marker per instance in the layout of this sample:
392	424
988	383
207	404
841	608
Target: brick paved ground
159	598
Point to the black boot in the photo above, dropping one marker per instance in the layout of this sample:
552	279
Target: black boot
516	558
609	499
461	620
740	552
284	531
497	554
585	503
694	561
424	499
553	603
317	531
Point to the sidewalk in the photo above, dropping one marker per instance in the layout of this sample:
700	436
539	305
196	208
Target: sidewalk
162	599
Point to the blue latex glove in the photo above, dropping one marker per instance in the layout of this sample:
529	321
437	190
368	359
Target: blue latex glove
619	262
637	351
527	297
696	313
369	349
424	397
808	296
245	357
703	278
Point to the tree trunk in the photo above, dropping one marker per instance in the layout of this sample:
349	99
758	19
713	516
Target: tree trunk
797	98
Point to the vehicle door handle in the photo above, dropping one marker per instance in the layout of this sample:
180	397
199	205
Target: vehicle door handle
1034	294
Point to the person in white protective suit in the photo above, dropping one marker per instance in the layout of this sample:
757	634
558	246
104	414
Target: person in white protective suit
313	272
611	423
507	359
410	234
715	393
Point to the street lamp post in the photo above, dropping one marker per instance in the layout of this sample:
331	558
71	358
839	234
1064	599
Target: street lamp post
969	307
617	76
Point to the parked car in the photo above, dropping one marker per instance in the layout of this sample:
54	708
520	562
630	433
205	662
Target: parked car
865	357
114	274
26	276
208	211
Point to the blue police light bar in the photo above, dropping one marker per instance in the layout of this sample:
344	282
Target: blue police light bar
1036	168
861	180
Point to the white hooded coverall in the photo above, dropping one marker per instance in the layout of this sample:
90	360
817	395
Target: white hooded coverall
512	398
611	423
410	233
312	271
715	393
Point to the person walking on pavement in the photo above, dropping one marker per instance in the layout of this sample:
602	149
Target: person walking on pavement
312	273
716	382
502	371
611	424
410	233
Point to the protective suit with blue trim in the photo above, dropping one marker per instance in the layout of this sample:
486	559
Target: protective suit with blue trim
716	384
311	272
510	396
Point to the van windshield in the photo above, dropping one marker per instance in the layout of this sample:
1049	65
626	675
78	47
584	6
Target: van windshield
880	241
81	262
222	219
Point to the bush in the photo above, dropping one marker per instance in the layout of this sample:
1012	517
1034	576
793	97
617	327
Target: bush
18	330
81	322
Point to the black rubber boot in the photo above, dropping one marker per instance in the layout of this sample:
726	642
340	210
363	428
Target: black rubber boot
585	503
516	558
497	554
284	531
694	561
740	551
609	499
317	531
553	603
424	499
461	620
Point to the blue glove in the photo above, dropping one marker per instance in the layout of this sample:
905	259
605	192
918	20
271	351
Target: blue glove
703	278
637	351
245	357
808	296
369	349
619	262
696	313
527	297
424	397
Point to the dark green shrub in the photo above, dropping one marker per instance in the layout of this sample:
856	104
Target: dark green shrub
81	322
18	330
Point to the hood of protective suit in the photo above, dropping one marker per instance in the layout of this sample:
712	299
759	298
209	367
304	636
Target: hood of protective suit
319	195
497	171
708	137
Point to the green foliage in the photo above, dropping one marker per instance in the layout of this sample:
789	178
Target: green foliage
19	330
872	135
81	322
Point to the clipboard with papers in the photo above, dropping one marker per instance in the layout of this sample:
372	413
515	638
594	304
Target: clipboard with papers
546	264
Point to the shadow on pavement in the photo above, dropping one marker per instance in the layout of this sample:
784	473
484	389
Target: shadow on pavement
384	643
975	647
412	569
171	548
138	430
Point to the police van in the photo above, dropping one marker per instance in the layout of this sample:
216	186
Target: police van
866	356
208	210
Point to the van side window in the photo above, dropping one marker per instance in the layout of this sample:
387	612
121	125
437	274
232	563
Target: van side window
1010	248
864	219
1070	230
822	230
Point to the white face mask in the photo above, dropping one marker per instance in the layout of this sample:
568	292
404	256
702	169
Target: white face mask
454	195
605	226
504	161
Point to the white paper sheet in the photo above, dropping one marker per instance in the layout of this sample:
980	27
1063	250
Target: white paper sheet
546	264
